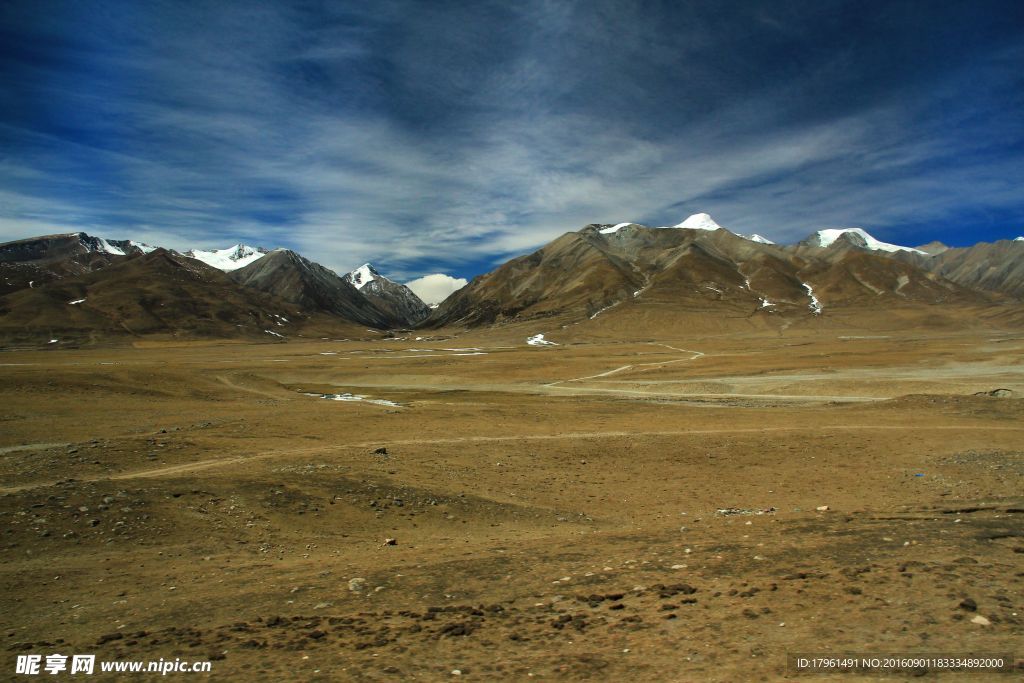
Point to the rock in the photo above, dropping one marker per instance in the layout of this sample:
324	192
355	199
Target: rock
457	629
980	620
357	584
969	605
998	393
381	451
390	541
822	508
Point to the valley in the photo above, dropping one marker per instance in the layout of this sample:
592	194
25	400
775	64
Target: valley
676	507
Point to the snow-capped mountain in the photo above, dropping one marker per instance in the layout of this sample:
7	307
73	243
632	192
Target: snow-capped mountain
228	259
404	307
38	260
614	228
855	236
698	221
1019	239
703	221
612	272
297	280
363	275
115	247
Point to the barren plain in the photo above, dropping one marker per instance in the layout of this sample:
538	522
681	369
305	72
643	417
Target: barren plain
675	508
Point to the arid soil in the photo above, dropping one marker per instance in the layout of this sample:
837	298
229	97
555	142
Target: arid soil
669	509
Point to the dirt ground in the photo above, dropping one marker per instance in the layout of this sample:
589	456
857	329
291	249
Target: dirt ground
597	510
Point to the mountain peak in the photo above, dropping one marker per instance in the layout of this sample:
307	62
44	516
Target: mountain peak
398	301
856	236
934	247
699	221
364	275
615	228
232	258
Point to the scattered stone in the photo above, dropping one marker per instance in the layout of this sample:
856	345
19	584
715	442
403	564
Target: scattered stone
822	508
969	605
357	584
980	620
381	451
390	541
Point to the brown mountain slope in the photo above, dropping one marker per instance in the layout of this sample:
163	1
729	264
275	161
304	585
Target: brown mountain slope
996	266
38	260
572	272
695	273
157	295
402	306
315	289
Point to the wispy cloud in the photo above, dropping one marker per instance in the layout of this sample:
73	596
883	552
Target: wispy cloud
450	137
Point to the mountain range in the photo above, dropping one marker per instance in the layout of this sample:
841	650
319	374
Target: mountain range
78	288
701	271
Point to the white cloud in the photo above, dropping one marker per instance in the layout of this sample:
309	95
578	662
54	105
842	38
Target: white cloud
435	288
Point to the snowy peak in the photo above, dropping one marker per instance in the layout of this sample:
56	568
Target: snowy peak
1019	239
703	221
363	275
699	221
857	237
398	301
100	245
144	248
228	259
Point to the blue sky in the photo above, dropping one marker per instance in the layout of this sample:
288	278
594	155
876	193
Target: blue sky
446	137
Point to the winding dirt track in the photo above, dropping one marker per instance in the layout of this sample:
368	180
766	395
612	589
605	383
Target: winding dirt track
187	468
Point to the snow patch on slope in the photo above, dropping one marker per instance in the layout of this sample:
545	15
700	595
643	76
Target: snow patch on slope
814	305
614	228
144	248
108	248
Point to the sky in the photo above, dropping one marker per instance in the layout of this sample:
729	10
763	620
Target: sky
438	137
